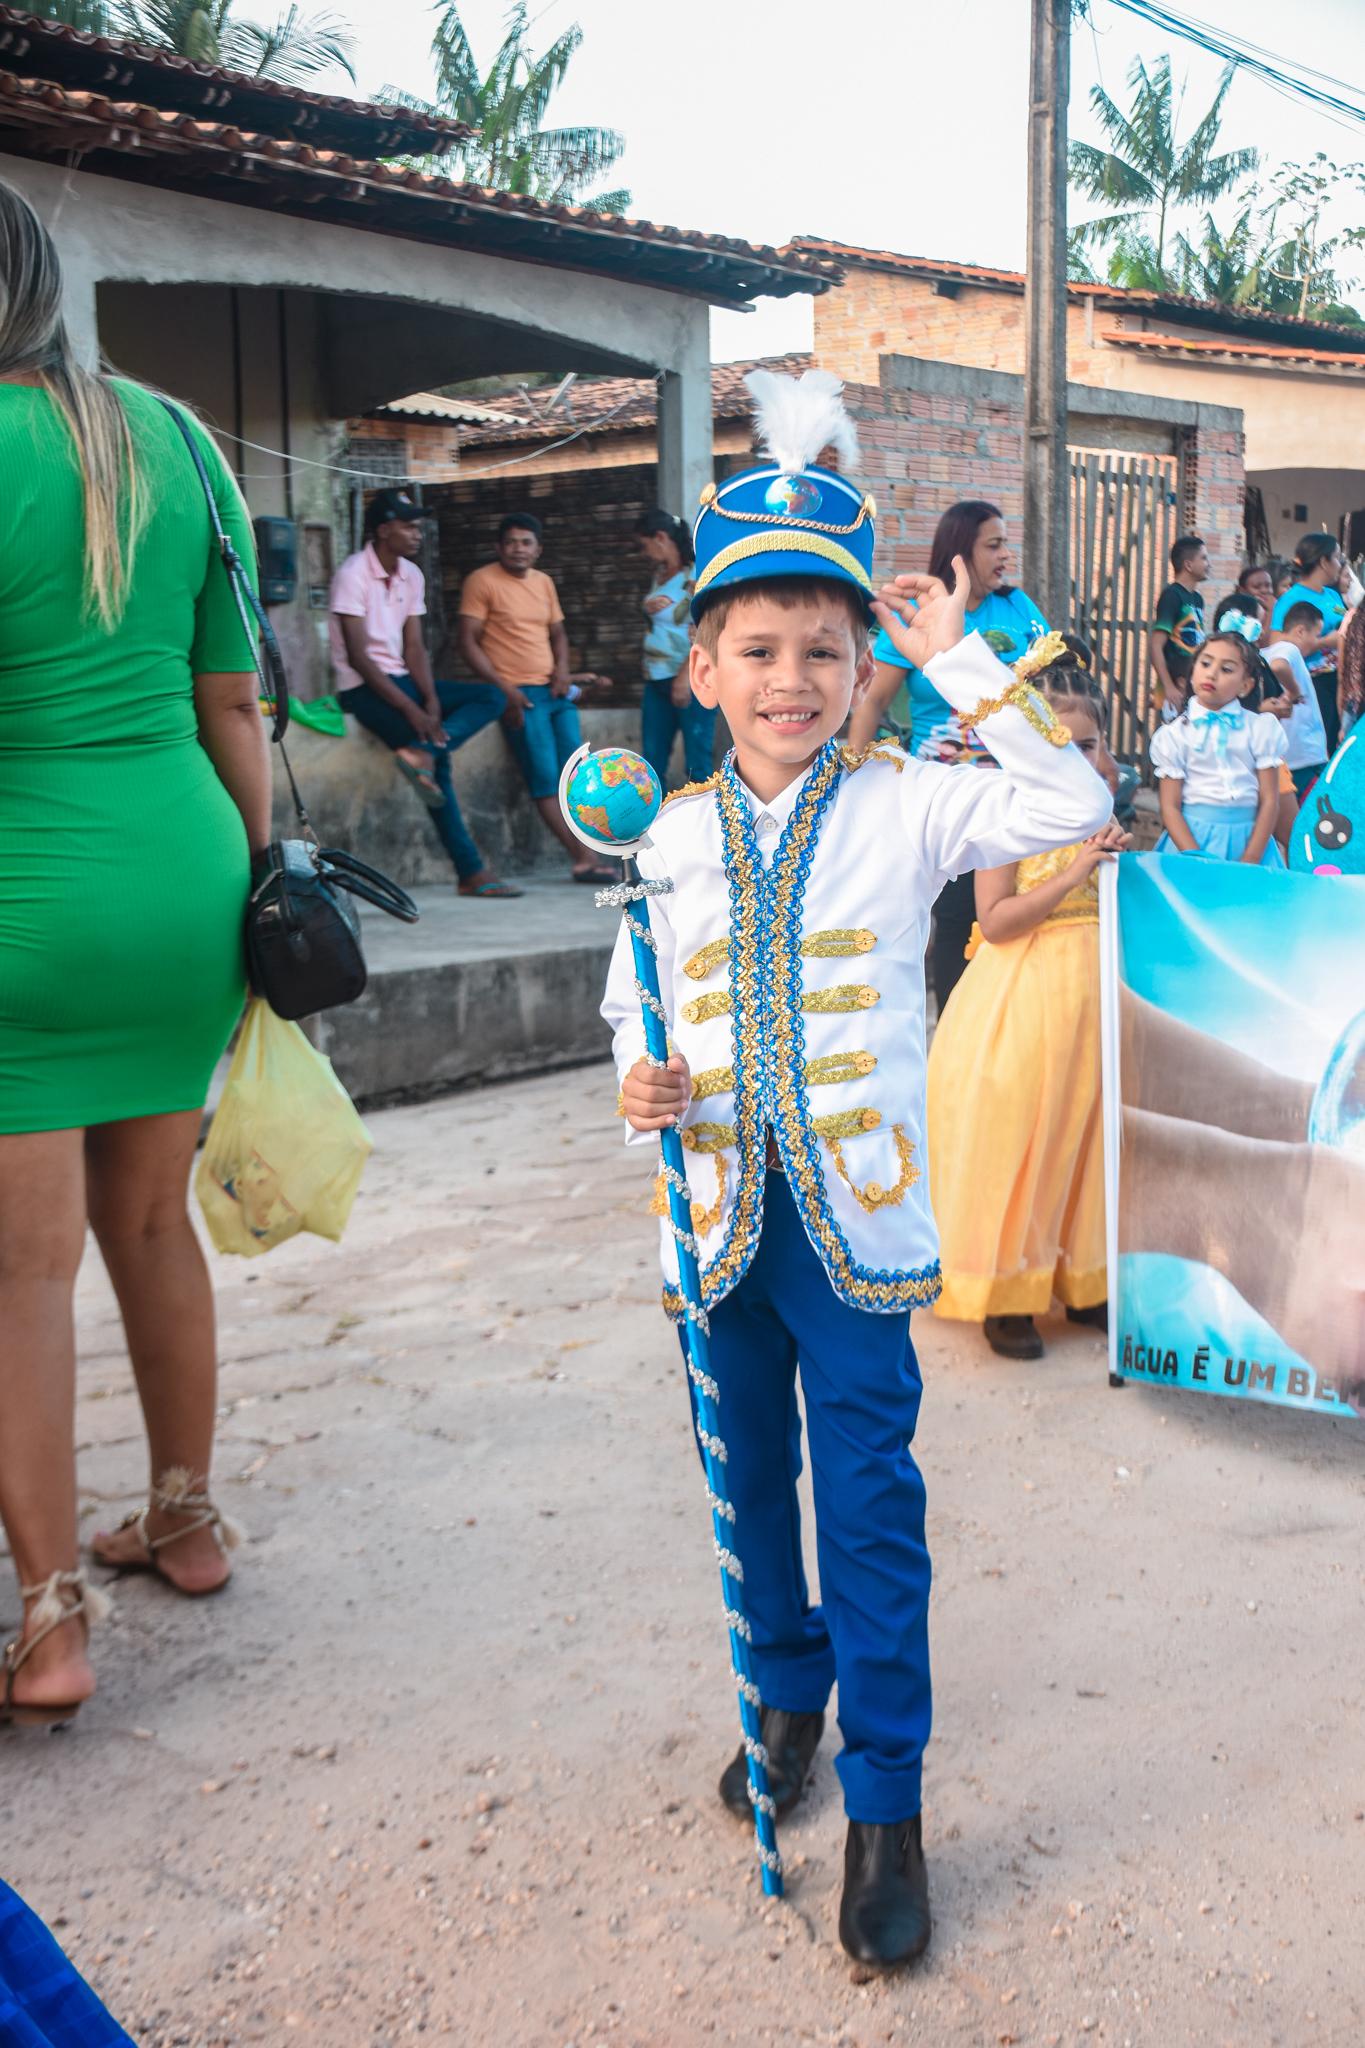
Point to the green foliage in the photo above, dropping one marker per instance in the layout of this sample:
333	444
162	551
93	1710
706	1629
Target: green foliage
1145	174
507	105
90	16
1274	257
292	50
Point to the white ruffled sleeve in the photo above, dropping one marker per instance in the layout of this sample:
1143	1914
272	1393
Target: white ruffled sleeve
1269	740
1168	752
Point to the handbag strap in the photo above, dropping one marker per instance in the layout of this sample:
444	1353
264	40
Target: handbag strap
271	670
357	876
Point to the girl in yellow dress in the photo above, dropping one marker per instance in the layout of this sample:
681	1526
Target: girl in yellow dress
1016	1149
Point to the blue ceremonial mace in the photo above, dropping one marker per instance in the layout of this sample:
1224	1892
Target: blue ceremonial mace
610	800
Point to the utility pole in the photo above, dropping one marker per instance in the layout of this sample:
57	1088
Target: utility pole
1047	575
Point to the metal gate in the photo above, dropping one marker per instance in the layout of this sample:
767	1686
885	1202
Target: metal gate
1124	515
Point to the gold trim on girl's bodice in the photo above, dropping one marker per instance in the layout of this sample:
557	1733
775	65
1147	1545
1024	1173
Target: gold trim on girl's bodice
1080	905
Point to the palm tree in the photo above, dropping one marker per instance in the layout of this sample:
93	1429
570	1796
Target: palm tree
511	149
1145	175
293	49
1228	269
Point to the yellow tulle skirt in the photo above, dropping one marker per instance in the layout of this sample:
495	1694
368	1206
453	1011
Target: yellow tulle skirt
1016	1143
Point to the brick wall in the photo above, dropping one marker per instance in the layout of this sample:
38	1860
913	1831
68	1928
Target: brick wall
594	451
1215	491
589	517
882	313
428	451
921	452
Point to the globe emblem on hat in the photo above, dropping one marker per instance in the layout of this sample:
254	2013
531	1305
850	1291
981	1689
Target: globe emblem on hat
611	798
793	497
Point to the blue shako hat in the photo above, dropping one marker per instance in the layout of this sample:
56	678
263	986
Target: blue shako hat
788	517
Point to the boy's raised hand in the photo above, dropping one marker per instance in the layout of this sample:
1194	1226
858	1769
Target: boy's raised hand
653	1098
921	616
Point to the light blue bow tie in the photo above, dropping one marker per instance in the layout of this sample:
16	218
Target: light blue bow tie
1216	725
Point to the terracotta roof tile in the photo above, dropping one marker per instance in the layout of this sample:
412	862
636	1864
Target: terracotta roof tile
72	57
130	139
1252	351
620	405
1114	297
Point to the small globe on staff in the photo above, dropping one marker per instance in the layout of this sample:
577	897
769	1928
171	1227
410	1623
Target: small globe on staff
610	799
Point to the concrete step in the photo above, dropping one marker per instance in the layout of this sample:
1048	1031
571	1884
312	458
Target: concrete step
478	991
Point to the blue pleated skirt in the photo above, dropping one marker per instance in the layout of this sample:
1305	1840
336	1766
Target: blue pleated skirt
44	2001
1222	831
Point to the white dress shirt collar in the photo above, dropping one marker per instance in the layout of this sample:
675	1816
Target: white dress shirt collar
770	819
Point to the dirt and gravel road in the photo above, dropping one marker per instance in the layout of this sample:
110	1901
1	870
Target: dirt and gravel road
441	1763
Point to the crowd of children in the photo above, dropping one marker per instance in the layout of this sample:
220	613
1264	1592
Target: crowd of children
1243	734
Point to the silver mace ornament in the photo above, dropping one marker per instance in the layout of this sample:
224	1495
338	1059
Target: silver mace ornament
631	897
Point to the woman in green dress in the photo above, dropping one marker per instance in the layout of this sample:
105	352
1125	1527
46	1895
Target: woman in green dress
134	789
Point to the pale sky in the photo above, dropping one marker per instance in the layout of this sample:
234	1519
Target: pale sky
871	122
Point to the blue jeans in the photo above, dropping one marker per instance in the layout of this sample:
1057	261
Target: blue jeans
549	736
862	1387
465	709
662	720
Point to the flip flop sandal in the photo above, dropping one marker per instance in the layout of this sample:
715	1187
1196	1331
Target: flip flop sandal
173	1495
595	876
61	1598
423	783
489	888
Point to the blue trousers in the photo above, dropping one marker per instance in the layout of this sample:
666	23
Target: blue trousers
862	1388
545	740
661	720
465	709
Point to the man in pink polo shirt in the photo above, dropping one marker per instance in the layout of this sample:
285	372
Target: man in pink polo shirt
384	679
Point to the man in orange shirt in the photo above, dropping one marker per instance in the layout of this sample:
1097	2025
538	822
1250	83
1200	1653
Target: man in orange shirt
511	633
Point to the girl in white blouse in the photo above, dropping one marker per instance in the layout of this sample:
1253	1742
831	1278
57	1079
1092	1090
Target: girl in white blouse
1218	764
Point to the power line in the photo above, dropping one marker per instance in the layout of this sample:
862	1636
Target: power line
1269	66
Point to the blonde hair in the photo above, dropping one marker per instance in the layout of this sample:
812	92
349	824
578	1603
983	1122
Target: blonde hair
33	338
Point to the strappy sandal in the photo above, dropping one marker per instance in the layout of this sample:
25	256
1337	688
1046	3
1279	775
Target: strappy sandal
422	780
175	1494
61	1598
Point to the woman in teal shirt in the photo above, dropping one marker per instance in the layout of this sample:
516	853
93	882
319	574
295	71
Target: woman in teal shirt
1317	570
1006	618
669	708
1009	622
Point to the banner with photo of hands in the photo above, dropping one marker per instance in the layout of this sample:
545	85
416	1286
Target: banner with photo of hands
1234	1072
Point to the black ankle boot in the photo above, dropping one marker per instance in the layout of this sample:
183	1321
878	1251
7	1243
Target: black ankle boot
1013	1336
884	1914
791	1741
1096	1318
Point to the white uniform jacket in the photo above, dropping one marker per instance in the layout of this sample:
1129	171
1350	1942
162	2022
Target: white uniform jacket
796	992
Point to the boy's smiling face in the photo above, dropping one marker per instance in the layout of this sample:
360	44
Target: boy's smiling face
785	677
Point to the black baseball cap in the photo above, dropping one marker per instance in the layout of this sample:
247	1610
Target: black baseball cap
393	504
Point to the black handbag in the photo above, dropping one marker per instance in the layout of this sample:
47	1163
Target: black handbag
303	944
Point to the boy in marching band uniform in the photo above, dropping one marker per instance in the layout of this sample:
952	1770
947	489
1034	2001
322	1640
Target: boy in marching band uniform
791	963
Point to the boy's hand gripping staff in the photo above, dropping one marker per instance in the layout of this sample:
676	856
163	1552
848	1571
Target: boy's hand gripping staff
610	800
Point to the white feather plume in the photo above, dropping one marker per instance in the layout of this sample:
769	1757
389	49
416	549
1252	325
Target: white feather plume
796	417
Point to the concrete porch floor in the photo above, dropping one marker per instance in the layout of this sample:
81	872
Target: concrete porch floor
479	991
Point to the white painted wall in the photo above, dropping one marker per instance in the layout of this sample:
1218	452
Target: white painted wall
106	228
150	277
1330	496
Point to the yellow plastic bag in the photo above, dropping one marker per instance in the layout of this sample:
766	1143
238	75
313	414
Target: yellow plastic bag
286	1149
